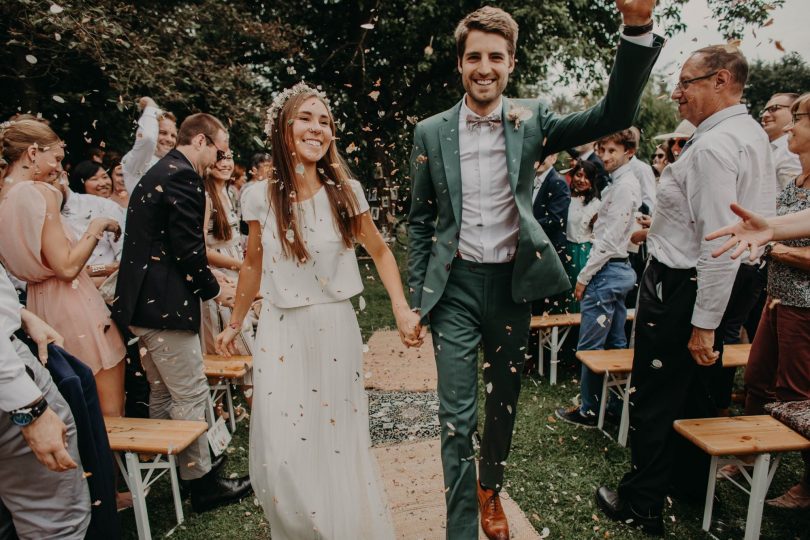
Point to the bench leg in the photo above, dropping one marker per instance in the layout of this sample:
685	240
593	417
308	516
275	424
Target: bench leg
554	348
138	496
707	509
229	407
541	369
759	489
600	423
178	501
624	424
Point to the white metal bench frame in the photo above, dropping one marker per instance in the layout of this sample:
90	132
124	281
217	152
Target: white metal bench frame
553	340
617	384
222	390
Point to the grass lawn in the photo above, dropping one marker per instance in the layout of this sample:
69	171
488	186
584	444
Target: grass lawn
553	471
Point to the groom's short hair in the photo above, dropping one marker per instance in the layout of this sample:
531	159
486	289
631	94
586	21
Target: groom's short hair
487	19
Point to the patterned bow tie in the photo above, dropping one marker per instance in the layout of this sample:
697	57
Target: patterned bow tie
474	121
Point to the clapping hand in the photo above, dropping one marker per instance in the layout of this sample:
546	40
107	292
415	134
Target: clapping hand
752	233
107	225
635	12
411	331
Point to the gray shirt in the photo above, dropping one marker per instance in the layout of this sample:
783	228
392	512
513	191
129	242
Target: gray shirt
727	160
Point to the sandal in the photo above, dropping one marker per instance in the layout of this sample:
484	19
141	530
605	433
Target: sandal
796	498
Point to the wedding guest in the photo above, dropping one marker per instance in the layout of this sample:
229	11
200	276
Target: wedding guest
674	141
582	211
607	277
39	248
477	257
645	175
775	117
587	152
235	184
163	277
684	291
659	161
310	456
115	170
155	137
43	493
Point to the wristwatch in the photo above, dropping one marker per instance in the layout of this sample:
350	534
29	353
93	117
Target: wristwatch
631	31
26	415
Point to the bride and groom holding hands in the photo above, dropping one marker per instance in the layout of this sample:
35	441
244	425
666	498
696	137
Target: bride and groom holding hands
477	260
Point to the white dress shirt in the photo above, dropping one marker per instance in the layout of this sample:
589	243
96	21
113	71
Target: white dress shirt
646	179
16	387
80	209
727	160
142	156
614	222
787	164
489	215
578	226
538	183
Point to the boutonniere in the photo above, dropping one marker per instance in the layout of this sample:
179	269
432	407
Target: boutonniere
518	114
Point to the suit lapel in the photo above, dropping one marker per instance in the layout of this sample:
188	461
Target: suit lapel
514	145
451	158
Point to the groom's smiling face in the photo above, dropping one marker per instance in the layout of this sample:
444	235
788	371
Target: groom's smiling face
485	67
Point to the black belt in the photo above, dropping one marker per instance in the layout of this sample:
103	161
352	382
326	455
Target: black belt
619	259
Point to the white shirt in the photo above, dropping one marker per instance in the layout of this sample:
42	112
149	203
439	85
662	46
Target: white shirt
787	164
16	387
489	215
728	160
646	178
538	183
142	156
614	223
578	226
80	209
331	274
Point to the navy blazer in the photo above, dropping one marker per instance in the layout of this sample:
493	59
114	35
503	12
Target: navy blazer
550	208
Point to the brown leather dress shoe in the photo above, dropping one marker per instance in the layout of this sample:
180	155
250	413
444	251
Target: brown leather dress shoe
493	519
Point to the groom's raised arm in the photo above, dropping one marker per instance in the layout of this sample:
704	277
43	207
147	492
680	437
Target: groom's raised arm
421	218
634	61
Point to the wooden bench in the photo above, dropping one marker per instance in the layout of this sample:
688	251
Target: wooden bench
742	436
615	366
223	372
164	439
553	330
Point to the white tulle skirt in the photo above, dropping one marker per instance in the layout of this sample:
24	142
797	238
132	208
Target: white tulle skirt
310	451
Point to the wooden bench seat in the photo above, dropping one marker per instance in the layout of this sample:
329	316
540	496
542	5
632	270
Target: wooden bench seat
163	438
553	331
758	436
223	372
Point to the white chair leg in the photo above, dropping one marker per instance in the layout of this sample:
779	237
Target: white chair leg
756	503
624	424
229	407
541	369
138	496
554	349
603	401
707	509
178	501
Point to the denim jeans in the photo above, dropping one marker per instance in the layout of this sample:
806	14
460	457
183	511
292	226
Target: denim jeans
602	327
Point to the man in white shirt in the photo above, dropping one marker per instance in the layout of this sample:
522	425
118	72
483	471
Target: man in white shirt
156	135
774	117
684	290
478	257
43	493
604	282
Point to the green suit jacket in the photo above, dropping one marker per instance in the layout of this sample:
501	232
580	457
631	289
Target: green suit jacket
435	215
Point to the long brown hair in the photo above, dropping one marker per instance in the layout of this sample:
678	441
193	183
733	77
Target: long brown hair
222	229
333	172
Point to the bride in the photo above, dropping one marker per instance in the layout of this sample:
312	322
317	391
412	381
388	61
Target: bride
310	458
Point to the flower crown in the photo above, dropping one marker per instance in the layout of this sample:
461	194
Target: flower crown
281	99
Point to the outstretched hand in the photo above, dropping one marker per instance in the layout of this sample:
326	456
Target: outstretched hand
751	233
635	12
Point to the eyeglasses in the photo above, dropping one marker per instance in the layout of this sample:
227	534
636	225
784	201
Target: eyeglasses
794	117
772	109
683	85
221	154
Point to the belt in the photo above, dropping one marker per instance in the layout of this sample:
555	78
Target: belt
619	259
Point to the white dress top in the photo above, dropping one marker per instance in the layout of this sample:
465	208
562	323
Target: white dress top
80	209
330	275
578	228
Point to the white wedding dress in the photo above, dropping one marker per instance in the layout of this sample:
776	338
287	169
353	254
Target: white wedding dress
310	451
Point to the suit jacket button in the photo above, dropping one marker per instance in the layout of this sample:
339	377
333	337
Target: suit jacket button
447	267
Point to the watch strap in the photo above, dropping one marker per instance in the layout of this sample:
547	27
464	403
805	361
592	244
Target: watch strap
36	410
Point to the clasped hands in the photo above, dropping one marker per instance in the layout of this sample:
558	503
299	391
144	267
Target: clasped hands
410	328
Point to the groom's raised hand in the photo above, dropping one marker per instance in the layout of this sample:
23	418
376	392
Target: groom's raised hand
635	12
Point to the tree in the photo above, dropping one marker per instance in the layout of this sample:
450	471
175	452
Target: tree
789	74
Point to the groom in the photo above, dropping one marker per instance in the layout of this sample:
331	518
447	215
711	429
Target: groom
477	255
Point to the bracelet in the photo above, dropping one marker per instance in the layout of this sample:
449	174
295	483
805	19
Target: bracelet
632	31
97	269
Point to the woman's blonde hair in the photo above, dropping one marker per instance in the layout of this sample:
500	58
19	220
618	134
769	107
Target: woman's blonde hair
333	172
17	136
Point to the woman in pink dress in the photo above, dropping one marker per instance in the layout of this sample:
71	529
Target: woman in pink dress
38	248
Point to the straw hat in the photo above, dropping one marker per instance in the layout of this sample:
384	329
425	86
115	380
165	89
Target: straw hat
684	130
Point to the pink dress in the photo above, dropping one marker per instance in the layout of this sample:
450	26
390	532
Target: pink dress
74	309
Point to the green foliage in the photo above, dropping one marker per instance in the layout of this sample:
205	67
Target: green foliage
789	74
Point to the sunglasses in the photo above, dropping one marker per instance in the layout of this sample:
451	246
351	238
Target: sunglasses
677	143
659	156
221	154
772	109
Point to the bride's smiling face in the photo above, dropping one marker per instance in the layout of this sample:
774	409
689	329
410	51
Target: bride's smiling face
311	131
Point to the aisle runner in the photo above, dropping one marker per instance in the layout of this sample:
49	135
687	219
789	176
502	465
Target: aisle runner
411	471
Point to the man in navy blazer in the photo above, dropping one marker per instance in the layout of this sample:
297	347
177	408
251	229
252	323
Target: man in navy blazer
550	199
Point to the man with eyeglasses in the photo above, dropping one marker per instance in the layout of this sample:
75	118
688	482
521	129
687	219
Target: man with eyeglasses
684	291
163	276
774	117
